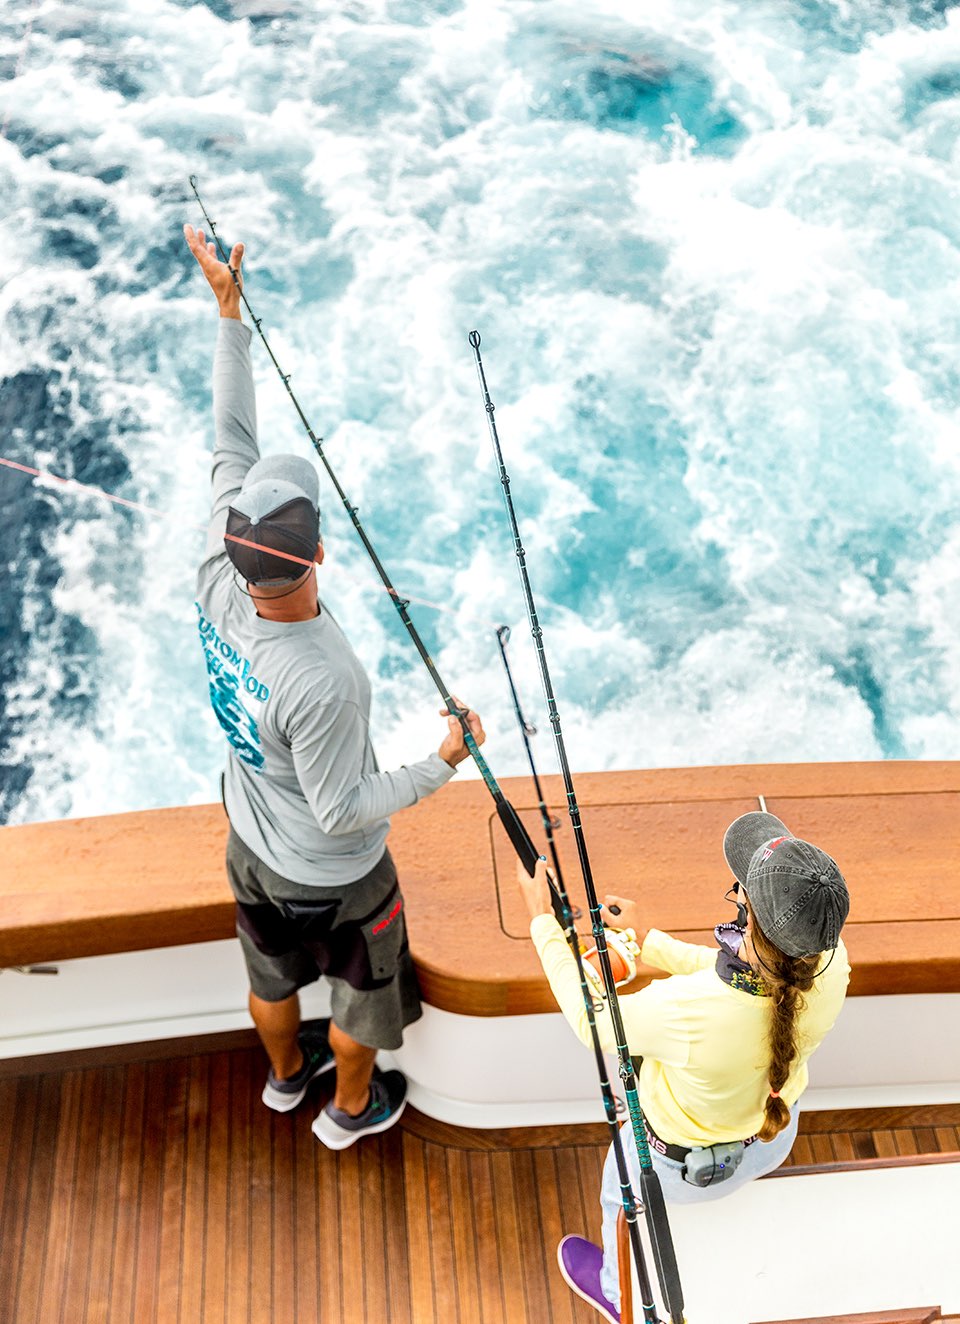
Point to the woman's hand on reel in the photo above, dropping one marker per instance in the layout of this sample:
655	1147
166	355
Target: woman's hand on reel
628	915
535	890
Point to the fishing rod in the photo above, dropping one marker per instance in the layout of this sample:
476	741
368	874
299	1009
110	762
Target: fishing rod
591	1006
655	1210
550	824
519	837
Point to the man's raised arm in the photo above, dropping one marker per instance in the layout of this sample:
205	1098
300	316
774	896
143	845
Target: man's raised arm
234	402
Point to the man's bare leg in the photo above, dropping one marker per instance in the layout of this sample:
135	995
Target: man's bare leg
354	1070
277	1025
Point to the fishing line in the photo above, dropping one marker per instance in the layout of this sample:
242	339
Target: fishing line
658	1225
519	837
330	566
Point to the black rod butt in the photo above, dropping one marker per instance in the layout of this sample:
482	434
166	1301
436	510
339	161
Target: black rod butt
519	836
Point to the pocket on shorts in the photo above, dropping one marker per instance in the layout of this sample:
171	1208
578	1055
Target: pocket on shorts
267	928
386	936
366	952
312	920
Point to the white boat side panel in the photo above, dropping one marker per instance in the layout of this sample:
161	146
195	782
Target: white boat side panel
822	1245
469	1070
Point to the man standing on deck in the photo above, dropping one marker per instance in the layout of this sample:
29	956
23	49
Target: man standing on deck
315	885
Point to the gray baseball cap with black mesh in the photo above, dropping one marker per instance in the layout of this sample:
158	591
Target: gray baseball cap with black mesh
796	891
276	514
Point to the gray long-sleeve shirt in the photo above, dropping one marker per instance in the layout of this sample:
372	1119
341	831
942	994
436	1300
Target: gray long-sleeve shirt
302	786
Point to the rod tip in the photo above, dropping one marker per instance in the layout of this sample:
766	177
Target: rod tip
474	339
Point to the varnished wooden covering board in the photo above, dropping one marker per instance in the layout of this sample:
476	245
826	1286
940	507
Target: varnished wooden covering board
924	1315
87	886
163	1192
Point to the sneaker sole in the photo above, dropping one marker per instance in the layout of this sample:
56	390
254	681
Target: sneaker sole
591	1301
285	1103
341	1139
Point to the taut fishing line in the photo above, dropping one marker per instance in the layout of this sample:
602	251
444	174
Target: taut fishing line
658	1225
519	837
330	567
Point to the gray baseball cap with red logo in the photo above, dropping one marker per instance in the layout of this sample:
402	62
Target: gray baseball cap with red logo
796	891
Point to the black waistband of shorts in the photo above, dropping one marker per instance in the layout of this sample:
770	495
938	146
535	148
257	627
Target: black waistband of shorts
678	1152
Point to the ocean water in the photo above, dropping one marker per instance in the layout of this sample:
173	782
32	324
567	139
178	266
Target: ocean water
713	251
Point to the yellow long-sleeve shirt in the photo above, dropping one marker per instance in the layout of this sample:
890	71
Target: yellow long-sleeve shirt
706	1055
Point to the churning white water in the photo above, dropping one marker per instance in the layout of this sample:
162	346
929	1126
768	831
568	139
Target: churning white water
714	255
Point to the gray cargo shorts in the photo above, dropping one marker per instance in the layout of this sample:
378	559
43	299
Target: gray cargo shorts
356	936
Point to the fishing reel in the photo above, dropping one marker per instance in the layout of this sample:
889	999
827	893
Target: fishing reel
624	952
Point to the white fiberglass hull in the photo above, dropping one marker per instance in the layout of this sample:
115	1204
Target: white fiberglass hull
468	1070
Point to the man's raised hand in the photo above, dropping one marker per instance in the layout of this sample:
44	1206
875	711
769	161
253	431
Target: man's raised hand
218	273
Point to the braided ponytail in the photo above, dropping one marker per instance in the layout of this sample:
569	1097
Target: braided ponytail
786	979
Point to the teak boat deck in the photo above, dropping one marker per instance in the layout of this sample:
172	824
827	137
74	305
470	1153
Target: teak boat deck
161	1191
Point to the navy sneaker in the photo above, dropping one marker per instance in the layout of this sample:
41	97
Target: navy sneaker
580	1261
388	1098
284	1095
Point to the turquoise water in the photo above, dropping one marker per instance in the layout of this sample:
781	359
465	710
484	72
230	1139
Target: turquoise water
714	255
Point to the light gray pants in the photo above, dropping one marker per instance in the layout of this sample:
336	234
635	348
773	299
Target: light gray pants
758	1158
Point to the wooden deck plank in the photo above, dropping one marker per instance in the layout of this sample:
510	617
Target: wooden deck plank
416	1203
886	1143
198	1112
353	1303
463	1230
822	1148
125	1232
843	1149
239	1231
28	1250
172	1191
513	1270
373	1229
16	1149
948	1138
104	1199
906	1141
489	1281
305	1190
331	1262
802	1151
445	1293
283	1286
150	1208
260	1218
552	1226
56	1262
215	1220
572	1220
396	1247
534	1262
590	1173
864	1144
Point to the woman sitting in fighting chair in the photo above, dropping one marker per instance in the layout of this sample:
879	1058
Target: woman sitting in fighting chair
725	1040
